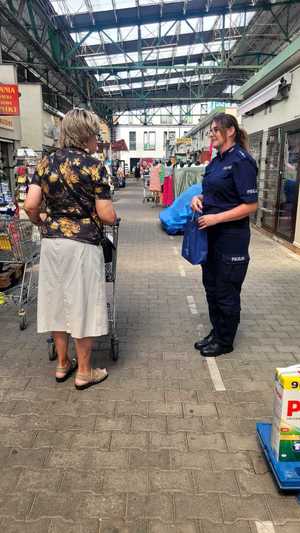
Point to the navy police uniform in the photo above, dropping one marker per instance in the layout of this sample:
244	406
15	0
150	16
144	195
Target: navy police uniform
229	180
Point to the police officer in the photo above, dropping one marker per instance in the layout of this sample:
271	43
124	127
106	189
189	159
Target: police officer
229	197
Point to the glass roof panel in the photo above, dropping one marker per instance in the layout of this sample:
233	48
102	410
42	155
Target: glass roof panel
67	7
151	30
114	83
159	83
230	89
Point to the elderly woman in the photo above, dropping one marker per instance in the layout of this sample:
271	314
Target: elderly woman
71	295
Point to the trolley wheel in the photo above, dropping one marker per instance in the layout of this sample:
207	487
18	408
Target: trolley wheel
52	351
23	322
114	343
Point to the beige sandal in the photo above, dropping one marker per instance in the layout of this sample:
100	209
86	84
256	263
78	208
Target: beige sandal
97	375
65	372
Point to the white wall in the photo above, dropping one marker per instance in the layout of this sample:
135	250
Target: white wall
276	114
31	104
160	149
279	112
39	128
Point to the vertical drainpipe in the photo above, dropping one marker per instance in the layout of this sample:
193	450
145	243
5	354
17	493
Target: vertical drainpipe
88	94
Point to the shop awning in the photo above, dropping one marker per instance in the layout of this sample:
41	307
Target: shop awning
119	146
269	93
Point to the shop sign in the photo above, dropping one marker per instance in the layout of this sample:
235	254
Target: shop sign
172	138
9	99
6	123
119	146
184	140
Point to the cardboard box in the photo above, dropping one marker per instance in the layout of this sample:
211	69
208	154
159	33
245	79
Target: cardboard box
286	414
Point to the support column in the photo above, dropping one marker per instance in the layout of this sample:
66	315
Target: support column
0	46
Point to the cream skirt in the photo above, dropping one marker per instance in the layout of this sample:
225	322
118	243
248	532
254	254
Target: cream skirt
71	293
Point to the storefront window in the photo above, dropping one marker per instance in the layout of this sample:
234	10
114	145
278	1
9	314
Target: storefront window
132	140
149	140
288	195
255	140
271	181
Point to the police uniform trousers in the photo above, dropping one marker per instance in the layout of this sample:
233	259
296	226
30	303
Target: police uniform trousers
223	276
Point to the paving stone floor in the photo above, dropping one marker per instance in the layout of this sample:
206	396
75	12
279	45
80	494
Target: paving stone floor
154	449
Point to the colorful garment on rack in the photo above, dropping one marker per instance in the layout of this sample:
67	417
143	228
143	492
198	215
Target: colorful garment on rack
154	179
168	194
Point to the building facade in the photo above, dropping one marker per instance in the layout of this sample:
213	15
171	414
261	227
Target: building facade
271	116
154	136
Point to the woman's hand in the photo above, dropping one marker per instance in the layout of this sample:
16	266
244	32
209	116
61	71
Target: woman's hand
208	220
197	203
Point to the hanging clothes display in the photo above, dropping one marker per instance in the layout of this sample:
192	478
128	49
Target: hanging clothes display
167	197
155	178
168	194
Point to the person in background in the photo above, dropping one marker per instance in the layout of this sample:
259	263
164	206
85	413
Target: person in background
229	197
121	176
137	172
71	293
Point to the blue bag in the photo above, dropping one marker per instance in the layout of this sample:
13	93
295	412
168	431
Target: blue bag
174	218
194	244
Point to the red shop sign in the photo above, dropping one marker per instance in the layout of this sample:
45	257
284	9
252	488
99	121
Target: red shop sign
9	99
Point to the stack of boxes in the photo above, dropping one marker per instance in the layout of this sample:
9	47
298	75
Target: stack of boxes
285	440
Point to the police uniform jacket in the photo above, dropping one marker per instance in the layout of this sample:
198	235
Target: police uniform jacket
229	181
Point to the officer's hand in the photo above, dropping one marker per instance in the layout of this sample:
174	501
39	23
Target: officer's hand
197	203
207	220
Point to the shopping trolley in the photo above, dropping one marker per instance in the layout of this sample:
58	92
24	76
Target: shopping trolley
148	195
20	245
112	232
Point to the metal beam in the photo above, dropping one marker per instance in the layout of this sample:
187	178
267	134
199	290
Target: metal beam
161	92
175	99
184	39
170	11
174	74
30	27
138	66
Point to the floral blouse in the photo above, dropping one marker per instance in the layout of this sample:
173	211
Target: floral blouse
65	217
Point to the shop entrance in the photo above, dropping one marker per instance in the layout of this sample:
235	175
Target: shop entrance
4	157
6	185
281	186
133	162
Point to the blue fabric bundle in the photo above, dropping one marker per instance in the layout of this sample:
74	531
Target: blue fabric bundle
174	218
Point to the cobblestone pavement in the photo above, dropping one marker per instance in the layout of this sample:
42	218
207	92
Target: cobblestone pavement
156	448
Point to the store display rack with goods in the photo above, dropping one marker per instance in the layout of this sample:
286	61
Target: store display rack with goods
7	206
26	162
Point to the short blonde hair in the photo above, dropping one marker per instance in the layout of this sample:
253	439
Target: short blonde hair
77	126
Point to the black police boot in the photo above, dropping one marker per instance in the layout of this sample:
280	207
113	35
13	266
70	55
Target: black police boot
214	349
204	342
